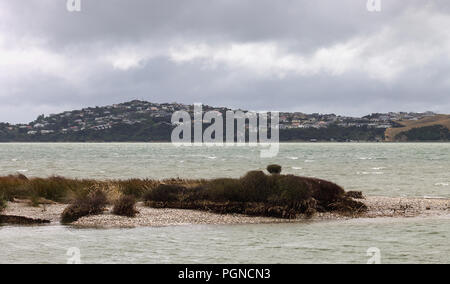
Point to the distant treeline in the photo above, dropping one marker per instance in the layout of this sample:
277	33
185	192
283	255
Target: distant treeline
151	131
161	132
333	133
428	133
143	132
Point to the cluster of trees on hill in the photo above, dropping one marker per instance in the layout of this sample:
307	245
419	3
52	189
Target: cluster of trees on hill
428	133
151	131
143	132
333	133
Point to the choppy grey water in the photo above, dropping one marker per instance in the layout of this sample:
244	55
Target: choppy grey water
376	169
420	169
398	240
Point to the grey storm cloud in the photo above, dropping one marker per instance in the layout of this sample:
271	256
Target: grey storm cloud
297	55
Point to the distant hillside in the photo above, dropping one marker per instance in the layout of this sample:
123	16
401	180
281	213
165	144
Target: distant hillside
433	128
142	121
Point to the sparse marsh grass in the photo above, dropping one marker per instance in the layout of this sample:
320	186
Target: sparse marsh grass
14	187
57	189
136	187
65	190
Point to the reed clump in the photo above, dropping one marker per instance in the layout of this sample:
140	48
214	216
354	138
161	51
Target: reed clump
92	204
55	188
125	206
136	187
14	186
63	190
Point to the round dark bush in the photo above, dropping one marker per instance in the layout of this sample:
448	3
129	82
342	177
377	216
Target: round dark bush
73	212
125	206
274	169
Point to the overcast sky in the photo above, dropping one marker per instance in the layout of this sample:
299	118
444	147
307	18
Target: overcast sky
323	56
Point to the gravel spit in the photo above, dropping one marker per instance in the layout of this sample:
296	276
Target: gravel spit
396	207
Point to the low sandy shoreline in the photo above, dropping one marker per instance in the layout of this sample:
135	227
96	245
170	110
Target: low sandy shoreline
395	207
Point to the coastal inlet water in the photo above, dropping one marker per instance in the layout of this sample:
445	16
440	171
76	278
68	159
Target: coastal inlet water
376	169
397	240
404	169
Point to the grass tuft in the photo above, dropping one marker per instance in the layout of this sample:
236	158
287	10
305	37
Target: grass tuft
93	204
125	206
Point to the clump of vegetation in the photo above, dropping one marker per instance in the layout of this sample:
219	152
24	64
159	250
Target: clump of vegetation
274	169
165	193
13	186
291	189
3	203
221	190
355	194
63	190
256	187
56	189
93	204
426	133
256	193
125	206
136	187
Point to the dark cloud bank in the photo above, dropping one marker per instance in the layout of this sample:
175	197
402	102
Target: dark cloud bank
311	56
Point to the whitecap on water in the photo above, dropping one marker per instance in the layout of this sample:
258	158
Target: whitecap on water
14	160
293	158
369	173
297	168
441	184
309	161
433	197
212	158
379	168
